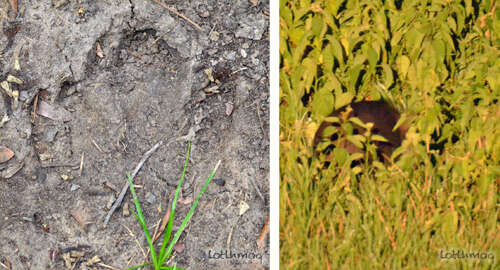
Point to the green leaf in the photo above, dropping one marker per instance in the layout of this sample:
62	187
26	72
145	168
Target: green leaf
166	238
140	218
389	77
450	223
139	266
340	155
439	50
372	58
343	99
337	50
379	138
329	131
403	63
188	216
357	140
332	119
322	102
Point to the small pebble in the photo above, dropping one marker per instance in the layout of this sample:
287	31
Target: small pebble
150	198
179	247
64	177
230	55
205	14
219	181
229	109
74	187
212	51
27	219
214	36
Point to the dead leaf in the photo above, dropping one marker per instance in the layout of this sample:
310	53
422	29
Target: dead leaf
125	210
93	261
164	222
14	79
99	51
12	170
13	4
5	154
7	263
4	120
179	247
68	261
82	217
44	94
5	85
212	90
243	206
53	112
77	253
185	200
229	109
311	129
263	234
209	73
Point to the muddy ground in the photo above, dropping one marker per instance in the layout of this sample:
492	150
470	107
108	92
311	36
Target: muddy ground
103	81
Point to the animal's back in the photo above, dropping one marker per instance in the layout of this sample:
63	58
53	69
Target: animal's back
383	117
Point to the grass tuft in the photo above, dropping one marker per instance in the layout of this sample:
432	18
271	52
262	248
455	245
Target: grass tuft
158	260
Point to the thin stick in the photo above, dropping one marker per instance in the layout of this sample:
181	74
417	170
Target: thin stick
260	119
228	242
258	191
136	241
81	164
97	146
129	261
52	165
35	105
125	187
179	14
107	266
241	69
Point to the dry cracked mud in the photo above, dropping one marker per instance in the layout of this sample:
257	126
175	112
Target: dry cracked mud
102	82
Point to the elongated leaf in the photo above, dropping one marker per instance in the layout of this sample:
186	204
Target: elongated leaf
140	218
188	216
174	202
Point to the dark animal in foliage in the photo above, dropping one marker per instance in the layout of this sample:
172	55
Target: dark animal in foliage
382	115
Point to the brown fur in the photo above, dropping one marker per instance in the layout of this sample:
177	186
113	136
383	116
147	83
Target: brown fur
383	117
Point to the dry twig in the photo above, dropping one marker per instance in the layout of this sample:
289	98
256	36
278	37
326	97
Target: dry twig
136	241
126	186
179	14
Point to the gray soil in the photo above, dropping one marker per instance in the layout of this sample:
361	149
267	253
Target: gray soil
121	76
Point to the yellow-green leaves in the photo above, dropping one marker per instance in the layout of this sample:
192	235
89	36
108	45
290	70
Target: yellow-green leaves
322	102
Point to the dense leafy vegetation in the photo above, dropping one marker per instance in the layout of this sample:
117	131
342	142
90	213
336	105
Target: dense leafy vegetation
438	61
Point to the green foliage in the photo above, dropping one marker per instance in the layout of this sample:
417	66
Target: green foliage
440	60
159	261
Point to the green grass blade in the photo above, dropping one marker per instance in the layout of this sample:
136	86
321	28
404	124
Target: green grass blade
168	232
188	216
139	266
171	267
140	218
